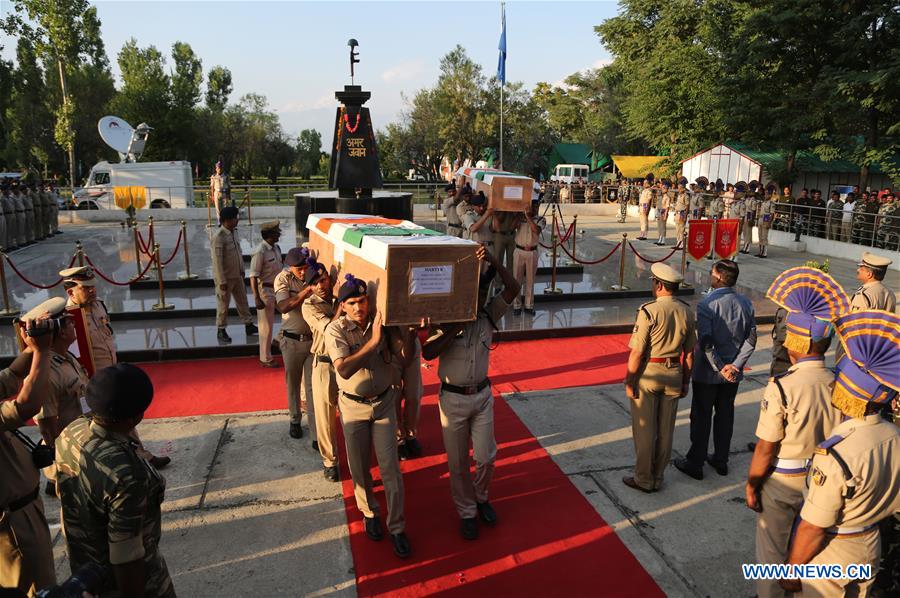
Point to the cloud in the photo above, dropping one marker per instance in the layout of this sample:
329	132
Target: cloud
325	101
404	71
600	63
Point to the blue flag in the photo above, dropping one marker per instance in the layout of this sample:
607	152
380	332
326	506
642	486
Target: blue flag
501	63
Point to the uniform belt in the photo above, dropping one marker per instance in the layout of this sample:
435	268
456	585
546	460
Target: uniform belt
666	360
532	248
366	400
790	466
269	285
850	531
323	359
21	503
297	337
466	390
454	225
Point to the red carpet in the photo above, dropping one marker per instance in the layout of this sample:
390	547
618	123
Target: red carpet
549	541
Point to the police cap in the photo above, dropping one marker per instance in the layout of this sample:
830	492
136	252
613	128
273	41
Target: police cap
666	273
270	227
296	257
55	307
874	262
83	275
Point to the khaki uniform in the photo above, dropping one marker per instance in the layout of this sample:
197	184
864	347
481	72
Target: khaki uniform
27	201
565	194
873	295
318	313
454	224
68	381
764	216
664	202
295	341
465	417
410	399
504	239
4	239
696	206
111	504
737	210
483	235
870	449
665	328
796	412
19	204
218	188
716	207
368	423
26	556
751	207
228	269
265	265
644	204
37	214
525	260
681	216
781	361
54	213
46	207
103	342
461	209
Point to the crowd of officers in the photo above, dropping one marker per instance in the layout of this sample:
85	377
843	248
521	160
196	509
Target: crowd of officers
29	213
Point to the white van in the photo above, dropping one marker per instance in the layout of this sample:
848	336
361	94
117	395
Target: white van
570	173
167	184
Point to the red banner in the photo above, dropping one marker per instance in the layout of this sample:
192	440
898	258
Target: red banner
727	233
699	238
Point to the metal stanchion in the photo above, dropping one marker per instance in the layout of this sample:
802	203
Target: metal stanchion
249	213
7	310
137	254
187	257
79	252
162	305
574	235
552	290
684	237
151	242
712	245
621	286
209	210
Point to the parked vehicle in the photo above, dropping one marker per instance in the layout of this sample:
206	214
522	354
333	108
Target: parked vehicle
570	173
166	184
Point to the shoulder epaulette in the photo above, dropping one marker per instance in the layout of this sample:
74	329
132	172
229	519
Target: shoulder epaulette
684	303
826	445
643	308
57	358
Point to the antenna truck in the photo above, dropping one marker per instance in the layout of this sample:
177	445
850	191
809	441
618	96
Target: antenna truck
147	184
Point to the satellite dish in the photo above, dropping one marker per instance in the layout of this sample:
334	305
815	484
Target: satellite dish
120	136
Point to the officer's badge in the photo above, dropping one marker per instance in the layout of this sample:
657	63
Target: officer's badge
764	404
818	477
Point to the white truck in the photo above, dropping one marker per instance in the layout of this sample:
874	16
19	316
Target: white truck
570	173
166	184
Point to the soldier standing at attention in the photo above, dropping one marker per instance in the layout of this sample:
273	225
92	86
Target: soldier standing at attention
54	210
4	211
873	294
357	345
795	413
644	202
855	475
111	497
19	206
318	312
27	202
265	265
751	207
664	202
681	212
228	273
765	213
26	555
466	400
454	225
525	260
659	373
219	188
696	204
504	226
296	340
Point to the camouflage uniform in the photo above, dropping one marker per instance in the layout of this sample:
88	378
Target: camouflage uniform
887	235
864	222
111	502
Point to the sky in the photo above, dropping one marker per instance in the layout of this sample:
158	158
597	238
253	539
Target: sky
295	53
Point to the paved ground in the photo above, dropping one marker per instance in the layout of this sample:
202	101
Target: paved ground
247	511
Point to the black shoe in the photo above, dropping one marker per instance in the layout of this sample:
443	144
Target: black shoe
721	468
296	431
160	462
402	452
517	311
315	445
413	447
401	545
631	483
468	527
50	489
251	329
222	335
685	467
373	528
331	474
487	513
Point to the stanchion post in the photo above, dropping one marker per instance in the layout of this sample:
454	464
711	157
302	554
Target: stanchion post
684	237
156	264
7	310
249	213
79	252
621	286
209	210
137	254
574	233
712	245
187	256
554	241
162	305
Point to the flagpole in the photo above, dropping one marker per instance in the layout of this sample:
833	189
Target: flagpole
501	125
502	78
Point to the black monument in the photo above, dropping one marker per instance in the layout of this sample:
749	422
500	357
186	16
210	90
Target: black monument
354	173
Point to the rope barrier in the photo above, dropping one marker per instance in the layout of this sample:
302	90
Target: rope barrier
145	246
671	253
562	238
589	262
110	280
34	284
174	251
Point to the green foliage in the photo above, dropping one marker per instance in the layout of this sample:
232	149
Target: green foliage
218	88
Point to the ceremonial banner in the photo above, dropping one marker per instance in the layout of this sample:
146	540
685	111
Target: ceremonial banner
699	238
727	232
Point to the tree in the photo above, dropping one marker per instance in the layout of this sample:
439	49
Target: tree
308	150
218	88
146	96
186	78
30	133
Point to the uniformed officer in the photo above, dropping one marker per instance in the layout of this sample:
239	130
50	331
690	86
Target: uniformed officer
696	203
454	224
477	222
525	259
717	204
463	195
736	208
26	555
68	380
19	205
623	196
833	213
466	399
319	310
46	208
765	213
409	400
795	414
644	203
504	225
751	208
228	273
565	193
111	497
265	265
873	294
781	361
664	202
681	212
39	208
296	340
27	202
54	210
854	480
357	345
219	188
659	373
4	200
